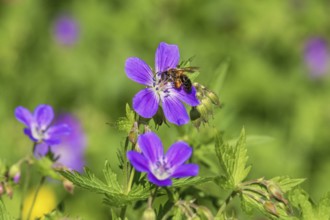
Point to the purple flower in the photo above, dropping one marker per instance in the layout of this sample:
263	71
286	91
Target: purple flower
317	56
66	30
146	102
71	151
38	125
159	167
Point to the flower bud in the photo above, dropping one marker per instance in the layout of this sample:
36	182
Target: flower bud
271	208
15	173
149	214
213	97
276	192
194	114
68	186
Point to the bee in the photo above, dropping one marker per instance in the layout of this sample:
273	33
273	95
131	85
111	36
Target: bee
179	78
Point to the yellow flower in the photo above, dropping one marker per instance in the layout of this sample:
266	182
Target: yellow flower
45	203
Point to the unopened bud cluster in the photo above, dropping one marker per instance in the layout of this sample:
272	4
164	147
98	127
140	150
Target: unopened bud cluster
268	195
208	99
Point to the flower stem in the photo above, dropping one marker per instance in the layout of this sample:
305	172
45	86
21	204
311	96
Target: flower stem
25	187
42	180
225	204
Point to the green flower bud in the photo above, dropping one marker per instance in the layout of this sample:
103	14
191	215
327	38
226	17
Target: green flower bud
149	214
194	114
271	208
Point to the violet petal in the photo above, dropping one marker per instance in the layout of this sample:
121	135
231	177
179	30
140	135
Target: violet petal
146	102
138	71
154	180
138	161
189	98
186	170
178	153
23	115
167	56
175	111
151	146
27	131
44	115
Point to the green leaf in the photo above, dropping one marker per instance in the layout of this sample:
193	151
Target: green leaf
301	200
192	181
286	183
125	123
233	159
4	214
113	191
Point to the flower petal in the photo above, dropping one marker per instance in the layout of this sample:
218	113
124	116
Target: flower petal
151	146
174	110
55	133
44	115
146	102
189	98
28	132
167	56
186	170
178	153
154	180
138	71
139	162
23	115
41	150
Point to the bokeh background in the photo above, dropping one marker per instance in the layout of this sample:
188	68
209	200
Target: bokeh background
71	55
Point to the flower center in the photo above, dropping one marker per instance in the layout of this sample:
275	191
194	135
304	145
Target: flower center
161	86
161	169
37	132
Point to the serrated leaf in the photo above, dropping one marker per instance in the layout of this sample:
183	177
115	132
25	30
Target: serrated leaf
301	200
111	177
286	183
4	214
233	159
114	194
192	181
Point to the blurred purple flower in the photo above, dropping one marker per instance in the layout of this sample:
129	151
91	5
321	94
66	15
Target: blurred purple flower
71	151
159	167
317	56
39	128
66	30
146	102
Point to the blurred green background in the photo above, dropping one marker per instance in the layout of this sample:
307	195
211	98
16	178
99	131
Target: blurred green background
268	88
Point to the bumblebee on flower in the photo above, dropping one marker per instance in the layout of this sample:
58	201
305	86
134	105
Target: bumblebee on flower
160	89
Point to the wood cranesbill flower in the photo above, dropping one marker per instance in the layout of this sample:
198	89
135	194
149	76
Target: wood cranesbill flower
38	125
160	167
66	30
317	56
159	90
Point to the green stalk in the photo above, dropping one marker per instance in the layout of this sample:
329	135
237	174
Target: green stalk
42	180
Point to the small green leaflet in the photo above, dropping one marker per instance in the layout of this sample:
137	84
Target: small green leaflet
125	123
320	211
286	183
233	159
